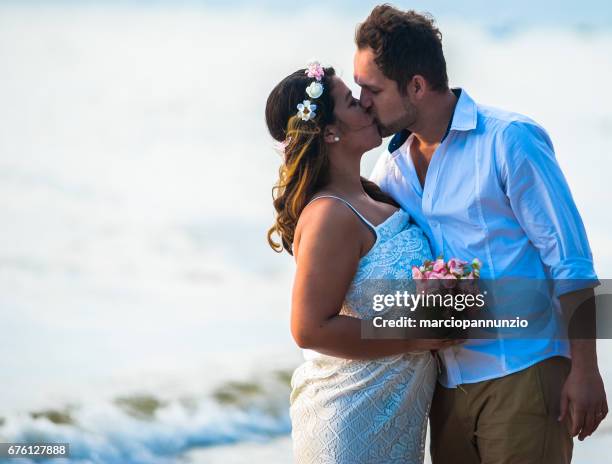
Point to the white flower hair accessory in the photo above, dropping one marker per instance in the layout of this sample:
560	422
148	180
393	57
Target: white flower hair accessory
306	110
314	90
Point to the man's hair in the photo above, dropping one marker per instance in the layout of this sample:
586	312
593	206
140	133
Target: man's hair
405	43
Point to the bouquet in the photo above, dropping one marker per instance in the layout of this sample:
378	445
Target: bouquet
451	271
453	277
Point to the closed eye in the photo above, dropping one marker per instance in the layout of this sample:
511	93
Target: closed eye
372	90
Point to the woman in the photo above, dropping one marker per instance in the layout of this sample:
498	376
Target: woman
354	400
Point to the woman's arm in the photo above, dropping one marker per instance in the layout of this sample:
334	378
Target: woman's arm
329	251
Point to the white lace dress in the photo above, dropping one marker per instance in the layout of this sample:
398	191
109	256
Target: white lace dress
375	411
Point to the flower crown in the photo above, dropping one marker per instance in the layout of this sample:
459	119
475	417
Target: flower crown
307	109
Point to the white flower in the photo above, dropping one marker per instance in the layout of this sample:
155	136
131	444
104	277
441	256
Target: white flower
306	110
315	89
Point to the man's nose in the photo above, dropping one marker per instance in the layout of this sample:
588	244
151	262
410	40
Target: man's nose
364	100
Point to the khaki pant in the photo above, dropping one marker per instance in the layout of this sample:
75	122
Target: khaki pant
510	420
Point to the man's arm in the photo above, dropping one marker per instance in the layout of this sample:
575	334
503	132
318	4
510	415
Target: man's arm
542	202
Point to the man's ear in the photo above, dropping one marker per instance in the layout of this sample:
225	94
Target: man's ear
416	87
331	134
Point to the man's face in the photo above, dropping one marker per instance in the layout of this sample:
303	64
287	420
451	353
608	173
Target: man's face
380	96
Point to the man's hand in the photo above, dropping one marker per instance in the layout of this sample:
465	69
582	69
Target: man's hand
583	397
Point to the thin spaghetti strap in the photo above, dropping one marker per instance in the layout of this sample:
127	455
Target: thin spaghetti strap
368	223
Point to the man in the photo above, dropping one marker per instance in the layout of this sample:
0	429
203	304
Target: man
483	182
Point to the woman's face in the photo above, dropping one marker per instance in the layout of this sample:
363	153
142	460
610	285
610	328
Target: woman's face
356	128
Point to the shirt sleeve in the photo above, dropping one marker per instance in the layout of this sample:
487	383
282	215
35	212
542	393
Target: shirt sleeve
542	203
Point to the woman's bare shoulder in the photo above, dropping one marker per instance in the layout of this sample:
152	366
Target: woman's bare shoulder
328	220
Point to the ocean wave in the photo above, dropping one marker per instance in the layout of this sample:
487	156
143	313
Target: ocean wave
147	427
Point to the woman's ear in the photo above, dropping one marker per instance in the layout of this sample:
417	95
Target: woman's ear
330	134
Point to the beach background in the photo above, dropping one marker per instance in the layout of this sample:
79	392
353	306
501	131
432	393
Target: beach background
143	317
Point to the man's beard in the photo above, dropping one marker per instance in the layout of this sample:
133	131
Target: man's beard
394	127
406	121
385	131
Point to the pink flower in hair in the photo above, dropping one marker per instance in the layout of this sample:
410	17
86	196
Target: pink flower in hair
314	69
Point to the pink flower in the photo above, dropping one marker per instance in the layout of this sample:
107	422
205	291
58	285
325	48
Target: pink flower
315	70
439	266
456	266
436	275
416	273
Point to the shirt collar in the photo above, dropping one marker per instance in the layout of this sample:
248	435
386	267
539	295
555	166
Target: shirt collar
463	119
465	114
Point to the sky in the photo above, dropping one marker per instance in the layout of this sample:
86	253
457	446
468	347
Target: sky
596	13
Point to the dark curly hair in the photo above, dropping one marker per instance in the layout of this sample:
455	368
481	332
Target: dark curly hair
405	43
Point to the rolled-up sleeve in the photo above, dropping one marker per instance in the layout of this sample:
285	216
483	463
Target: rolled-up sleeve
542	202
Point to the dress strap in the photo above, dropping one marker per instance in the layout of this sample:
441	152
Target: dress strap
366	222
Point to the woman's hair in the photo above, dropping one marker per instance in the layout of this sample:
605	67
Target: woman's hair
305	167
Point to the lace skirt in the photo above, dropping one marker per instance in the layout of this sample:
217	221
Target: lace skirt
354	412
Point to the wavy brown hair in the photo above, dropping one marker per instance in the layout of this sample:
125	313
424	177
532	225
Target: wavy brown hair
305	167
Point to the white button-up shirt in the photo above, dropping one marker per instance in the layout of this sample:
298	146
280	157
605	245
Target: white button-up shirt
494	191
